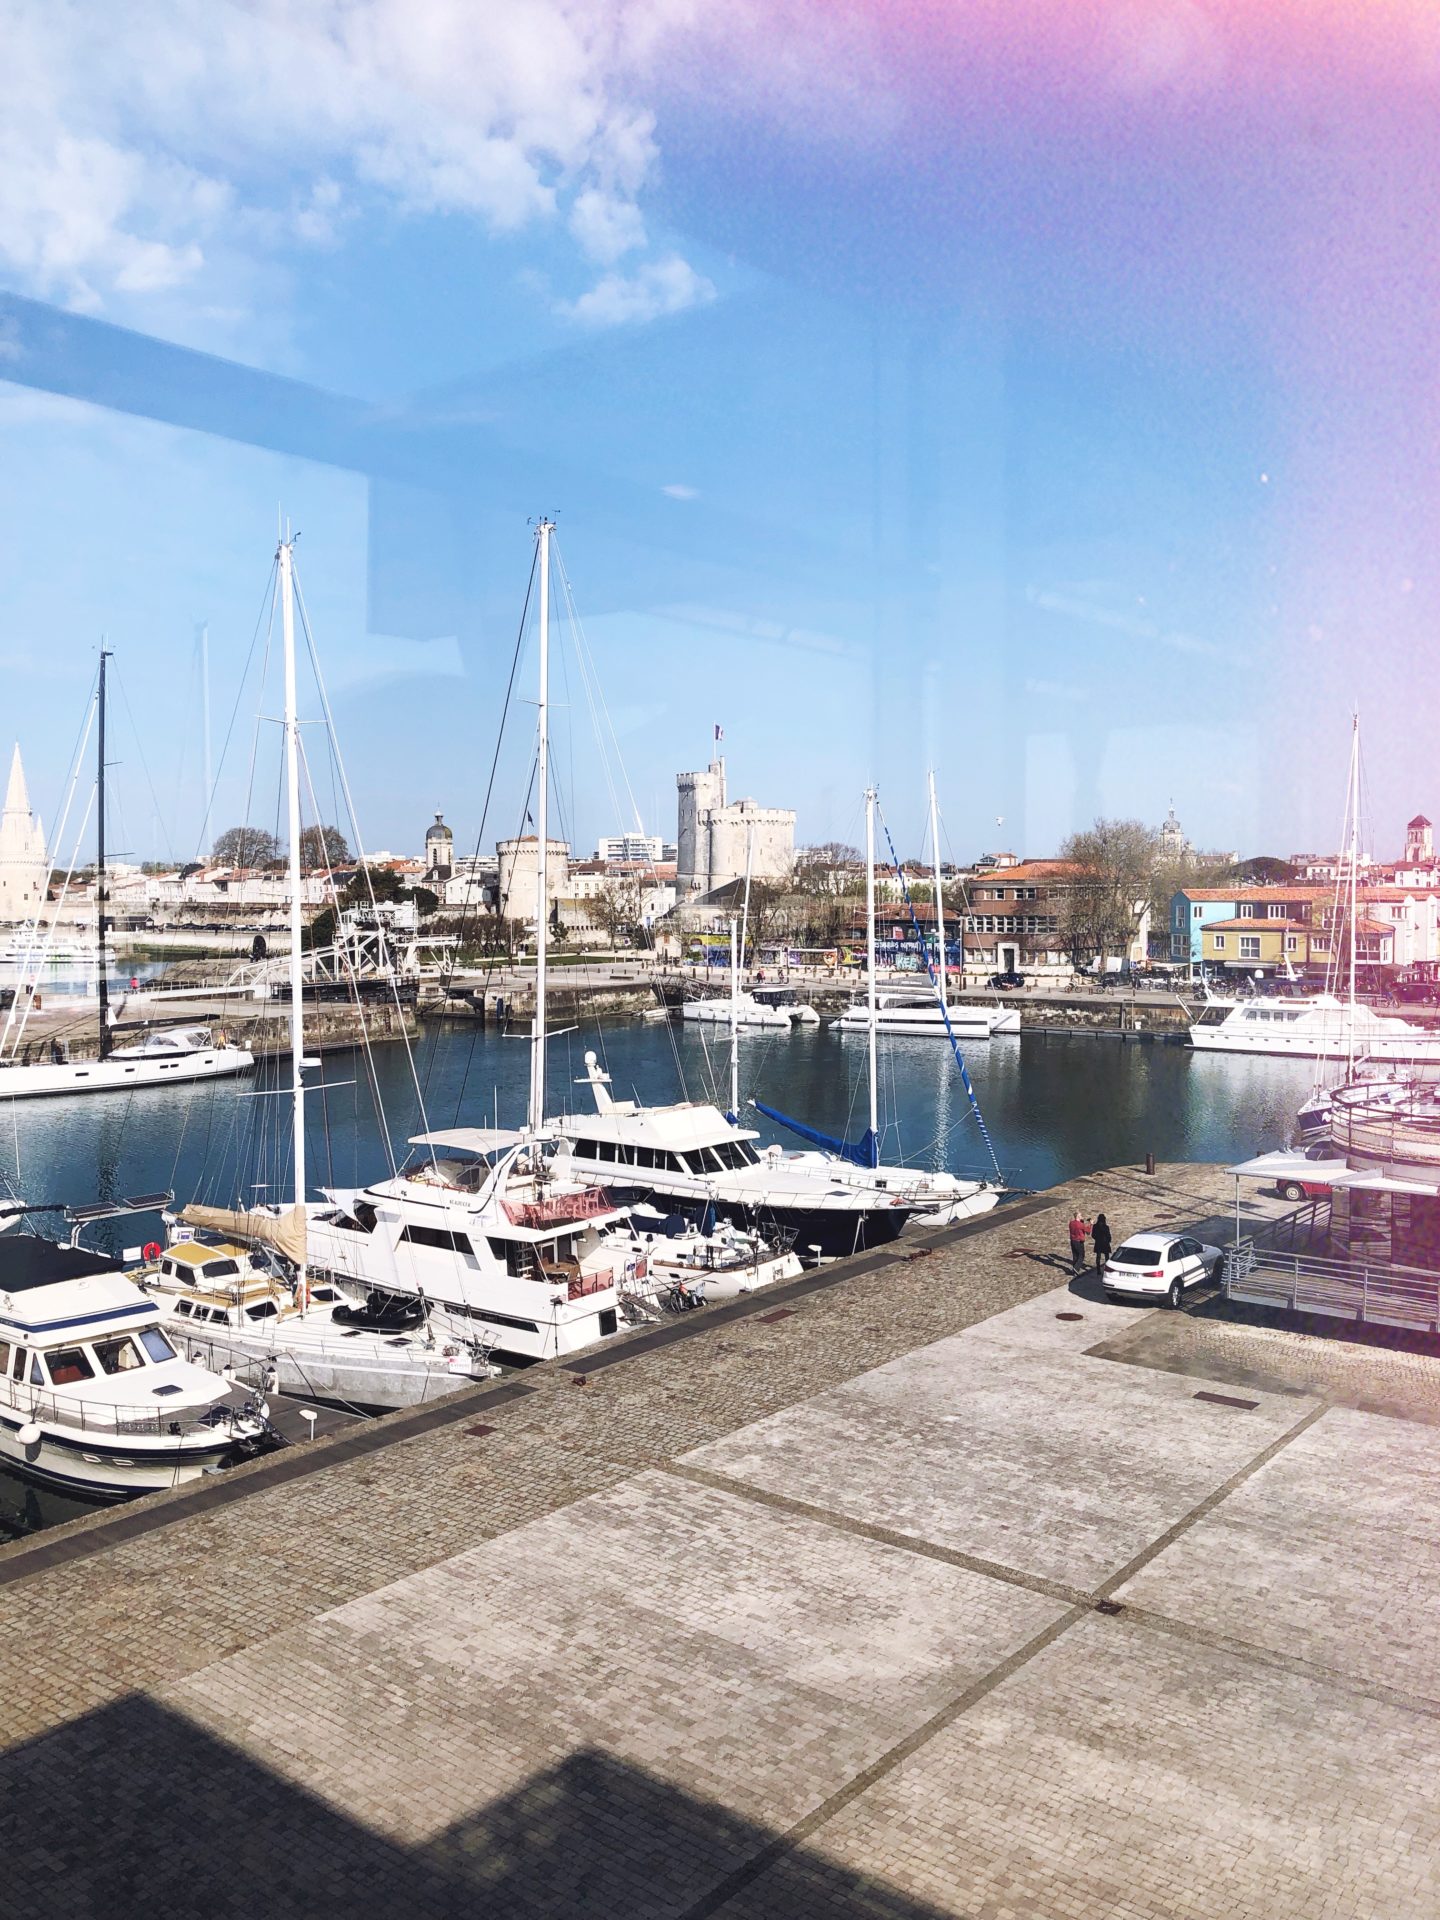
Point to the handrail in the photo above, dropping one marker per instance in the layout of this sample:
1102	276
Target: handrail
60	1409
1360	1290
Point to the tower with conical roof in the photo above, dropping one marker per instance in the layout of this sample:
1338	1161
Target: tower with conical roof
24	865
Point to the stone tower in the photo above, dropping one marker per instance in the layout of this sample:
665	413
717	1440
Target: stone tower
701	797
24	864
1419	843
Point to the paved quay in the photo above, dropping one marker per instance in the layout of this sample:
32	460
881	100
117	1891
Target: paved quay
930	1585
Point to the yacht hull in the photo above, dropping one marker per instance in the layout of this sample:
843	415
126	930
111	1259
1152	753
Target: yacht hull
105	1469
121	1075
381	1384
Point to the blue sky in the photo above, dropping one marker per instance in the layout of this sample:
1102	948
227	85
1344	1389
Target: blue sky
1048	395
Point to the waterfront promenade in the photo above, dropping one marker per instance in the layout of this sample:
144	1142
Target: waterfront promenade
927	1585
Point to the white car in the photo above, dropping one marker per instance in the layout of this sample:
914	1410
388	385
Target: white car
1159	1266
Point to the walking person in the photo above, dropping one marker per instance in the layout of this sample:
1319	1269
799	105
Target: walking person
1102	1243
1079	1233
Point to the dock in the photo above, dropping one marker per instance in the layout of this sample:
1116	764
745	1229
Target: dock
928	1584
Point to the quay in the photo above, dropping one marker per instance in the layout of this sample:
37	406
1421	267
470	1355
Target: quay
929	1584
260	1025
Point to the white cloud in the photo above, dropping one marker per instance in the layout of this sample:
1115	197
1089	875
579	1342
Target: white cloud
677	490
179	144
669	285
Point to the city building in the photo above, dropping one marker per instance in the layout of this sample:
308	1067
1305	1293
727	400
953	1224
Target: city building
1015	921
1266	926
716	836
1173	844
629	848
24	864
1419	842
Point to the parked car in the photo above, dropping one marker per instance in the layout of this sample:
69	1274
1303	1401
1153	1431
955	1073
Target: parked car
1159	1266
1007	981
1302	1189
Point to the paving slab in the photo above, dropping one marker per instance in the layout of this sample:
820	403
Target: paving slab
1007	1444
1128	1772
1327	1553
747	1657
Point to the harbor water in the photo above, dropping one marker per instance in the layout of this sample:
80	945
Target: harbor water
1053	1107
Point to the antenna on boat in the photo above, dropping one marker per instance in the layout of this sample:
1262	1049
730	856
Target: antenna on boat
734	1021
543	531
871	1005
939	892
102	982
292	795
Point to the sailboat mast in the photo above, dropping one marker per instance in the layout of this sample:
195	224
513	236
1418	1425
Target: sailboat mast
939	891
734	1019
102	891
292	795
872	1006
542	851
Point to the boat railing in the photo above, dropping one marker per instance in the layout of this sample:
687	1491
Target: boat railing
47	1407
1370	1292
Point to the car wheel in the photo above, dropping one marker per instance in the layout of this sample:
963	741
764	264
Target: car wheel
1177	1294
1291	1190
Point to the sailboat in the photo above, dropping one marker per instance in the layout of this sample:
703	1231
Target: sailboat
1324	1026
940	1198
162	1058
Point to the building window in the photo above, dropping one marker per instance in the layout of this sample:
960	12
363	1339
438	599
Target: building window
1292	943
1196	912
1219	942
1249	946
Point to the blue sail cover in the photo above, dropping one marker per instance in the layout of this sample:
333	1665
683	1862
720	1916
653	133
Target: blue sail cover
864	1152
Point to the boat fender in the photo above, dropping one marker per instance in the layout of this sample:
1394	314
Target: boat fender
29	1434
151	1250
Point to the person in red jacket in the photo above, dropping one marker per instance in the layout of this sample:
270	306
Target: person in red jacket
1079	1234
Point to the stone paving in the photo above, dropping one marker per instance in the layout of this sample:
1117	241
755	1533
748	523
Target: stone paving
906	1599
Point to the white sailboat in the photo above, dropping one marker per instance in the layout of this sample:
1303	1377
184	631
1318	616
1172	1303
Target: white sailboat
938	1197
162	1058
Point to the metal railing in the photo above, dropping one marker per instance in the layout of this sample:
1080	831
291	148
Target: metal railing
1374	1293
46	1407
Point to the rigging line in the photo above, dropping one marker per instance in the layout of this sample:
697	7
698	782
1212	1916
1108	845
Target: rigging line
599	707
337	761
515	658
944	1008
118	679
267	597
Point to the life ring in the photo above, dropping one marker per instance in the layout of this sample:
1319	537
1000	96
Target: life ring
151	1250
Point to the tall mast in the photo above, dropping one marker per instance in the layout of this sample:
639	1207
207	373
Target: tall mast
872	1008
1352	805
102	892
205	713
542	851
292	795
734	1020
939	890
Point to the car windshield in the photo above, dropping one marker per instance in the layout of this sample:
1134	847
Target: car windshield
1132	1254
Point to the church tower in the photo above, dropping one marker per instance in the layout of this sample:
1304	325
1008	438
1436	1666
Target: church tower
24	865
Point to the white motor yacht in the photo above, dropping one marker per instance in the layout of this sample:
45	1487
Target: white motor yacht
224	1308
688	1157
940	1199
920	1013
719	1264
94	1396
743	1010
1316	1026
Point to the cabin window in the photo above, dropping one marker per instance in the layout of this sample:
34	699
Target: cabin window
37	1377
266	1310
156	1345
4	1357
68	1365
221	1269
170	1269
18	1370
184	1307
118	1354
438	1237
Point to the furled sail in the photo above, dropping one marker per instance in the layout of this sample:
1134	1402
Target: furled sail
283	1231
864	1152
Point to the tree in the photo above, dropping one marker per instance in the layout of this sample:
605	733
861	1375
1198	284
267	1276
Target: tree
617	910
767	900
322	847
830	868
1107	897
245	847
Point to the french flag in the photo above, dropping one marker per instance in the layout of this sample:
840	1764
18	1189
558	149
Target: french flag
719	735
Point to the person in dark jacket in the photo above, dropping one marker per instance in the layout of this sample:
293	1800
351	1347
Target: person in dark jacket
1100	1236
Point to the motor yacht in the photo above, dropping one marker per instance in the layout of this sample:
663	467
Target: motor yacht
227	1306
1315	1026
689	1157
94	1395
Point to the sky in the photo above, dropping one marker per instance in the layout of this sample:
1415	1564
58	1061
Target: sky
1042	391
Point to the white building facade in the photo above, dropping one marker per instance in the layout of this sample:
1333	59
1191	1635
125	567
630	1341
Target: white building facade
716	836
24	863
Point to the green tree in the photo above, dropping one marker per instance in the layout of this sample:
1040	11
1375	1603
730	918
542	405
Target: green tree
322	847
245	847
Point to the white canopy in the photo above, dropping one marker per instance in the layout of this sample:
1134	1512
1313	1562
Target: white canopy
469	1139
